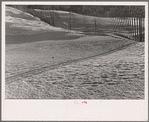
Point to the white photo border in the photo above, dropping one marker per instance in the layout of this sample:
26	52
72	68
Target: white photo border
55	110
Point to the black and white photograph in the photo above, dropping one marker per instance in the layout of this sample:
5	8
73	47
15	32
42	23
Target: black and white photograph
75	52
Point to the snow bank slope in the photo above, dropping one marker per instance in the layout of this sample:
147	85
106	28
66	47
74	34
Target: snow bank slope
21	22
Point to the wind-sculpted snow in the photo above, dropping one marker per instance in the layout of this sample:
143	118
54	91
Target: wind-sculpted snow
46	62
119	75
21	22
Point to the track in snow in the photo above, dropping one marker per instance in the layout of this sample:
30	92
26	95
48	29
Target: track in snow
41	69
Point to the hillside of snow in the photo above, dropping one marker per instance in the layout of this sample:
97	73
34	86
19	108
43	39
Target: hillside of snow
18	21
46	62
22	27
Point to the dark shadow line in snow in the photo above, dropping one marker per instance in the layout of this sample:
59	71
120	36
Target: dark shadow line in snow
27	38
39	70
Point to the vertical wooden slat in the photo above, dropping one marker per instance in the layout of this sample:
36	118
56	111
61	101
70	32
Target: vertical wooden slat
126	22
118	23
132	24
69	20
135	27
120	20
95	24
115	20
115	26
143	27
140	29
123	25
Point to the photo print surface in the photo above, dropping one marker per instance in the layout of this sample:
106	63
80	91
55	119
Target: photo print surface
66	52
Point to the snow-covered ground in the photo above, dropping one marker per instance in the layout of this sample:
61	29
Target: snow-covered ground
119	75
68	68
26	56
26	23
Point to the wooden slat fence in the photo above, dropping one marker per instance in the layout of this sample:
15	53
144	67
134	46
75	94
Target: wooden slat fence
131	26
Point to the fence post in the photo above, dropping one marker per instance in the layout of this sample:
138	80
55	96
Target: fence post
132	24
143	27
125	22
52	17
95	25
135	26
69	20
129	22
113	19
118	23
140	30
